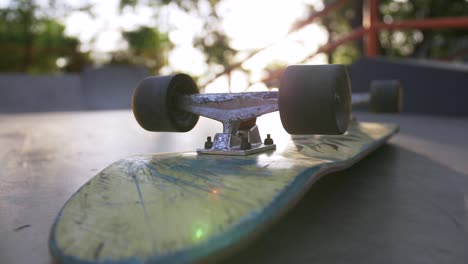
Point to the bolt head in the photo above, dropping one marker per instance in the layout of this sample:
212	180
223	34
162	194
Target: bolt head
208	143
245	144
268	140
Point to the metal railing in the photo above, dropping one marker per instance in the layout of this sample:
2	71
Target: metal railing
372	25
369	30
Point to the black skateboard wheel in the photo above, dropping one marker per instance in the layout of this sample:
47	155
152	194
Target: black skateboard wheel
386	96
154	103
315	99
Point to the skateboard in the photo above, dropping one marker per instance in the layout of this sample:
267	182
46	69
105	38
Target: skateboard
203	205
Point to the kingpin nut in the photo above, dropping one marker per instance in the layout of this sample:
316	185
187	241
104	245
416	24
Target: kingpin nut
268	140
208	143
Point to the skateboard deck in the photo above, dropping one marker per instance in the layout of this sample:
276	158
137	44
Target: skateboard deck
184	207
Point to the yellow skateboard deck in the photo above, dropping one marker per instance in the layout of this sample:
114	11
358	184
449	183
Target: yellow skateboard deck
184	207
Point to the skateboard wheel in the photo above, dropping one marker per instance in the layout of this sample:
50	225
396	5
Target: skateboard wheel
154	103
386	96
315	99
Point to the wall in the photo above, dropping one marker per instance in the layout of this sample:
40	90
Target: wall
430	87
93	89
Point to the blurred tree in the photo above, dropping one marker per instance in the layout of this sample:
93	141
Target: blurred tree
213	42
30	42
271	70
340	23
221	57
428	44
433	44
146	46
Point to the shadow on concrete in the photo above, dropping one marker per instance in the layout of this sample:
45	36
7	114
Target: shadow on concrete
395	206
442	138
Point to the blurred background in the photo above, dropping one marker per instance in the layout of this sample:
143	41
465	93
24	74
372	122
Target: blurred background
69	55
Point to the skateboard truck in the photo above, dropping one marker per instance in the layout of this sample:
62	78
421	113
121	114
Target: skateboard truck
237	112
312	99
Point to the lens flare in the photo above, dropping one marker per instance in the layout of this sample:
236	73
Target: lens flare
199	233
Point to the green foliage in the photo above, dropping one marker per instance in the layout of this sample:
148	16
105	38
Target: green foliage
185	5
214	43
124	3
339	24
33	40
345	54
272	69
146	46
216	47
432	44
33	44
423	43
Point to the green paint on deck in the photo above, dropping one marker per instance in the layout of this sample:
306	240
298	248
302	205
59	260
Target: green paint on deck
193	201
199	233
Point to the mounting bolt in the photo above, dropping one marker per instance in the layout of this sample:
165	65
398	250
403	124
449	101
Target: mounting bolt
268	140
208	143
245	144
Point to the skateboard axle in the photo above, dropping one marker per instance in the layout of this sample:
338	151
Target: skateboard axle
360	99
232	110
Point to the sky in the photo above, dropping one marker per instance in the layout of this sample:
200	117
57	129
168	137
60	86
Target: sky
250	24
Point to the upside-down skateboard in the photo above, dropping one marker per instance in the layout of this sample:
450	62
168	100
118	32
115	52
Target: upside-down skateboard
198	206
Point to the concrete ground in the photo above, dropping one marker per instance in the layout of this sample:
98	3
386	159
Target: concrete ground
405	203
